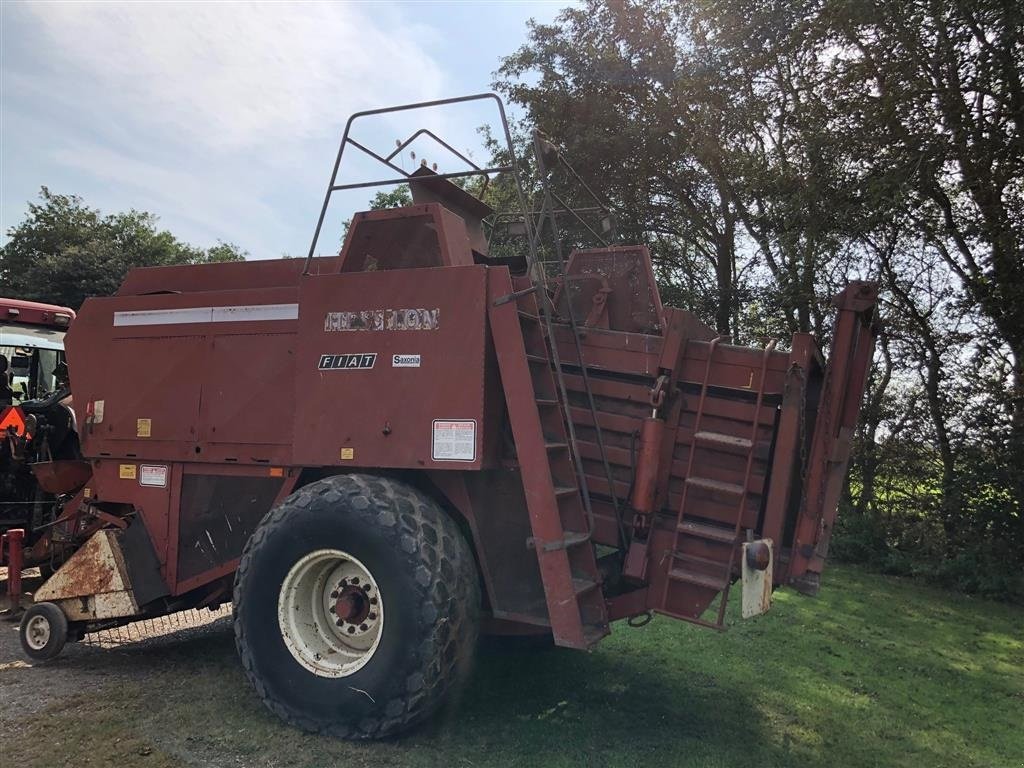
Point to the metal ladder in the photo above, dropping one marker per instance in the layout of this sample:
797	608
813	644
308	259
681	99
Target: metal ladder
558	497
557	504
548	312
707	572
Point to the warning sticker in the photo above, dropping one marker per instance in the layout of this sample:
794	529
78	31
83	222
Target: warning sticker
126	471
453	440
155	476
143	427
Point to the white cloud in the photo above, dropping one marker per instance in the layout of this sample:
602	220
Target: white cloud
229	76
222	118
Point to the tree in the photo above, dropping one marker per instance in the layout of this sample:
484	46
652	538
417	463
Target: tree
64	251
770	151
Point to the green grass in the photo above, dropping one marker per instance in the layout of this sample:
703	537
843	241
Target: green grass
875	672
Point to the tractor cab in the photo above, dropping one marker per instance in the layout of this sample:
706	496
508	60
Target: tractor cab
32	363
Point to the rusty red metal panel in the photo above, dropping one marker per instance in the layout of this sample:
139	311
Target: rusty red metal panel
612	288
244	381
845	377
412	237
389	370
787	460
229	275
164	351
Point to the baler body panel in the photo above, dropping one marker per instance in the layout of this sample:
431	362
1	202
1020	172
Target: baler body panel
420	403
205	394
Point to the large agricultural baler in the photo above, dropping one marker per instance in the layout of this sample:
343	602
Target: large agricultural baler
375	455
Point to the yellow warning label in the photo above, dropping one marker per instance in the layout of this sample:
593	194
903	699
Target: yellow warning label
348	453
87	493
126	472
143	428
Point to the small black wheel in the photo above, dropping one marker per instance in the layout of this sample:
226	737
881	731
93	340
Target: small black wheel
43	631
356	607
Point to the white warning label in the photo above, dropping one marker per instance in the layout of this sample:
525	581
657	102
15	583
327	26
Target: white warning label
155	476
453	440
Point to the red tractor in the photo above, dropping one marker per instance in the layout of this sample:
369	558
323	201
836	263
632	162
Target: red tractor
36	420
376	455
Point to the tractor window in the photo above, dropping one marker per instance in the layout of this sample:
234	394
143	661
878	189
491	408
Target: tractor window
35	357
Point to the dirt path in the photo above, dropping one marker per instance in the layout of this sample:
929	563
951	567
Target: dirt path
105	660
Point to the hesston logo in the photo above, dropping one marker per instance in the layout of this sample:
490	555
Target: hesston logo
384	320
349	362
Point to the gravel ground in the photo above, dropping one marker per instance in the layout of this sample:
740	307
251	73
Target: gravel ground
108	659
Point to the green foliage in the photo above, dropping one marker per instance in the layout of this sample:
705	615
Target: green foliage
64	251
395	198
769	152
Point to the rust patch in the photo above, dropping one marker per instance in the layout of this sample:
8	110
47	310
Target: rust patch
92	570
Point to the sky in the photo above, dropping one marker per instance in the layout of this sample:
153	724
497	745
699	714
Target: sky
224	118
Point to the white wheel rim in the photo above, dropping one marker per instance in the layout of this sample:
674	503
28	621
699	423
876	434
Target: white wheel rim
331	613
37	632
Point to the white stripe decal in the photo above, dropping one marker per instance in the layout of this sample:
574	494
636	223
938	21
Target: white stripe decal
208	315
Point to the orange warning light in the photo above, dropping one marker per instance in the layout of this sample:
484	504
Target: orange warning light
11	416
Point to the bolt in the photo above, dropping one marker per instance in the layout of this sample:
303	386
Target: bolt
373	601
334	594
339	622
372	616
366	587
351	628
355	579
330	608
363	627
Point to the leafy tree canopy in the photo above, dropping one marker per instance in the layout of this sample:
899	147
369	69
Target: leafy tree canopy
64	251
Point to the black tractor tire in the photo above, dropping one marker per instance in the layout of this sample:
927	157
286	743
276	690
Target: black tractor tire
428	584
44	618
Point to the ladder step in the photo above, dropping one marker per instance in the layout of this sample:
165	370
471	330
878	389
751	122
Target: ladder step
582	586
720	439
547	402
706	531
717	583
716	485
528	316
537	359
556	446
565	490
592	633
571	539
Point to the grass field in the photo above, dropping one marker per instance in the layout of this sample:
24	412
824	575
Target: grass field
874	672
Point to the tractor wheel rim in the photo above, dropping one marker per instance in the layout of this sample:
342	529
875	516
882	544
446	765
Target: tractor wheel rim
37	632
331	613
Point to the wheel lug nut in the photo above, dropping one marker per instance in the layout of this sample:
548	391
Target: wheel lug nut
373	601
372	616
355	579
330	608
334	594
339	622
366	587
362	627
351	628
